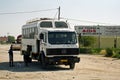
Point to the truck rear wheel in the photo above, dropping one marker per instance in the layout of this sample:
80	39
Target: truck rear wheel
43	62
27	59
72	65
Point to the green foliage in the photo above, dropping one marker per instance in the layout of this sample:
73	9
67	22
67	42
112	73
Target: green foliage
87	40
96	50
89	45
11	39
90	50
109	52
85	50
116	53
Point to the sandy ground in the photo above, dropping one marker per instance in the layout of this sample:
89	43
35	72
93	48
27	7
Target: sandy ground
91	67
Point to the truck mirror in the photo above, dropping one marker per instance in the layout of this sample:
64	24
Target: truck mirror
41	36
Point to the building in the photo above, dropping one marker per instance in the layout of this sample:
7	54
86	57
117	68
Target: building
3	39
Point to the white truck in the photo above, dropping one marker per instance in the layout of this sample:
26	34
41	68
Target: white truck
51	42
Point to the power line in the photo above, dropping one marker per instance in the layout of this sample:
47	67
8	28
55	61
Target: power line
87	21
24	12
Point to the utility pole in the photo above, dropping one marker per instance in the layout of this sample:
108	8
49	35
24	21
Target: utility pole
115	42
99	37
59	13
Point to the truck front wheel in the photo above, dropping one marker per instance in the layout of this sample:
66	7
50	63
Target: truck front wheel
72	65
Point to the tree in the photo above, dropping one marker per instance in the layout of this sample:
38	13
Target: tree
11	39
87	40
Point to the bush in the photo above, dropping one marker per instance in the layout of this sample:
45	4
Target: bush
90	50
85	50
103	52
116	52
96	51
109	52
116	55
87	41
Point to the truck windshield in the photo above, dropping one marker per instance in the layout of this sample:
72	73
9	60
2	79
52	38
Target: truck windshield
62	38
46	24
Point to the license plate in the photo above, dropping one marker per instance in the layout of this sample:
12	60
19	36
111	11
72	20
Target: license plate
64	60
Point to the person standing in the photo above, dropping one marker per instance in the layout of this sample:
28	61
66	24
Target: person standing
11	57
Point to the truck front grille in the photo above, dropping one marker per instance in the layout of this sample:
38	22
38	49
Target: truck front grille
63	51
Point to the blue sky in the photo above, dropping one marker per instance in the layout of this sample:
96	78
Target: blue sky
101	11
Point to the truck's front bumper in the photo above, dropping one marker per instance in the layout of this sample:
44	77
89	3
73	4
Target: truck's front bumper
63	60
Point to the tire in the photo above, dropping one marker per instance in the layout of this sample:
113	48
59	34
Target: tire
29	59
72	65
25	58
43	62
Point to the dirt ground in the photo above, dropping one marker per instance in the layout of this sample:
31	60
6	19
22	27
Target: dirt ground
91	67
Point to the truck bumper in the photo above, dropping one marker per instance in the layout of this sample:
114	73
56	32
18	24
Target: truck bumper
63	60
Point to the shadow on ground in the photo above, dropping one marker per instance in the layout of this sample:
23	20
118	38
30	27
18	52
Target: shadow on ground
32	67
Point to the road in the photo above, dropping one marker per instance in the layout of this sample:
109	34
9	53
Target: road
91	67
